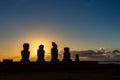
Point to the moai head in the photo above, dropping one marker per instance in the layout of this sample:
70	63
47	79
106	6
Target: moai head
41	47
77	56
66	50
54	44
26	46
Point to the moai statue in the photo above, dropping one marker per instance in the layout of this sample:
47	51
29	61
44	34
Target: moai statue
77	58
54	53
41	54
67	56
25	53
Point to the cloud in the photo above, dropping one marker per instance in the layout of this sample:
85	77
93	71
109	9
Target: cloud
87	53
90	55
84	53
102	50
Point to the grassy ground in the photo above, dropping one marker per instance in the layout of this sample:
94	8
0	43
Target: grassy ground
59	72
62	75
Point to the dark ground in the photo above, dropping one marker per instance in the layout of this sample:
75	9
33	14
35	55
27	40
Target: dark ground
49	71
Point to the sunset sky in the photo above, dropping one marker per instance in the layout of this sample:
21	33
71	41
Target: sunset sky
78	24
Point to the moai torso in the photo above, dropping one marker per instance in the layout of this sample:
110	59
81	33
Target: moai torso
54	53
25	55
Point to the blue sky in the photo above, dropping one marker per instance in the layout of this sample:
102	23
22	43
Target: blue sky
78	24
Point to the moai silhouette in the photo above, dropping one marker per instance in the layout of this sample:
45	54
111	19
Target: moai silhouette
77	58
67	56
25	53
41	54
54	53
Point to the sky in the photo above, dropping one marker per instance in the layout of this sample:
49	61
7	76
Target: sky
77	24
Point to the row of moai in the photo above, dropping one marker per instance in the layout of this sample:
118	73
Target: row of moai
25	53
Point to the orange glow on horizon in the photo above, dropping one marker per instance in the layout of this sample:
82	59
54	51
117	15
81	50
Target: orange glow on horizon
34	46
14	51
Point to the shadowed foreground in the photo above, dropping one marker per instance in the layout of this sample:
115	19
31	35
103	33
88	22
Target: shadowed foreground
60	71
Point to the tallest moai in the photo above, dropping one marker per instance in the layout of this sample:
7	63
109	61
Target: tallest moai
54	53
